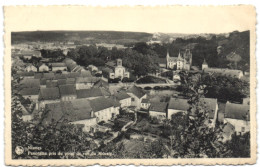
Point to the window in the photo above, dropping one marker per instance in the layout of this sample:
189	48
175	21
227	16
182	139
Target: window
132	99
243	129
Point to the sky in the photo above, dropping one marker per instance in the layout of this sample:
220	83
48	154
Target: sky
174	19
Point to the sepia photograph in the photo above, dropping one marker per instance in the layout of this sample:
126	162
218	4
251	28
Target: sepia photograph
141	94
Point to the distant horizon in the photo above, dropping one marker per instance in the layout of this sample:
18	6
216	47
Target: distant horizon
125	31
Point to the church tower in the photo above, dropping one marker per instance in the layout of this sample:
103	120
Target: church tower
119	62
204	65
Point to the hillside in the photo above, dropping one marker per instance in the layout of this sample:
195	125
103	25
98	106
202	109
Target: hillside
82	36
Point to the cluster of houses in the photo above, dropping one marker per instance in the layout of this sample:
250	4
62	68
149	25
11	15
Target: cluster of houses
235	116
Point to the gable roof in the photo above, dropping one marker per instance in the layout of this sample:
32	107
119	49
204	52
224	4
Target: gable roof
30	83
86	79
29	91
101	83
102	103
87	93
51	83
38	75
178	104
49	93
66	90
237	111
73	75
62	81
49	75
74	110
25	74
138	92
85	74
121	96
70	81
158	107
58	64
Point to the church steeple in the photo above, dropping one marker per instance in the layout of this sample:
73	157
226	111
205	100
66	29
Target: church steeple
168	55
179	55
204	62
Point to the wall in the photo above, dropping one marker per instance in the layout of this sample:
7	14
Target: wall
160	115
125	102
88	123
170	112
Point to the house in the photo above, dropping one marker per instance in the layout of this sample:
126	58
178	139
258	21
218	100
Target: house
222	71
38	75
101	83
26	116
25	75
47	96
161	62
30	68
123	98
67	92
30	83
48	76
70	81
51	83
62	82
158	110
78	112
107	111
43	68
71	64
182	62
86	82
58	67
145	104
31	93
177	105
91	93
238	115
85	73
117	70
137	94
43	83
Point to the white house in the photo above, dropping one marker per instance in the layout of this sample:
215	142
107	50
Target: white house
238	115
123	98
30	68
85	82
145	104
58	67
137	94
43	68
82	113
48	95
177	105
158	110
104	108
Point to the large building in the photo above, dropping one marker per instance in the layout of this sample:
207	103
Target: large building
182	62
116	70
222	71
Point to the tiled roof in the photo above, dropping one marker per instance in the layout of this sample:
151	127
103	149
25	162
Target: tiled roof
158	106
51	83
85	74
86	79
225	72
70	81
62	81
38	75
25	74
48	75
49	94
73	75
43	81
178	104
66	90
121	96
30	83
58	64
30	91
102	103
87	93
60	76
237	111
101	83
145	101
136	91
74	110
